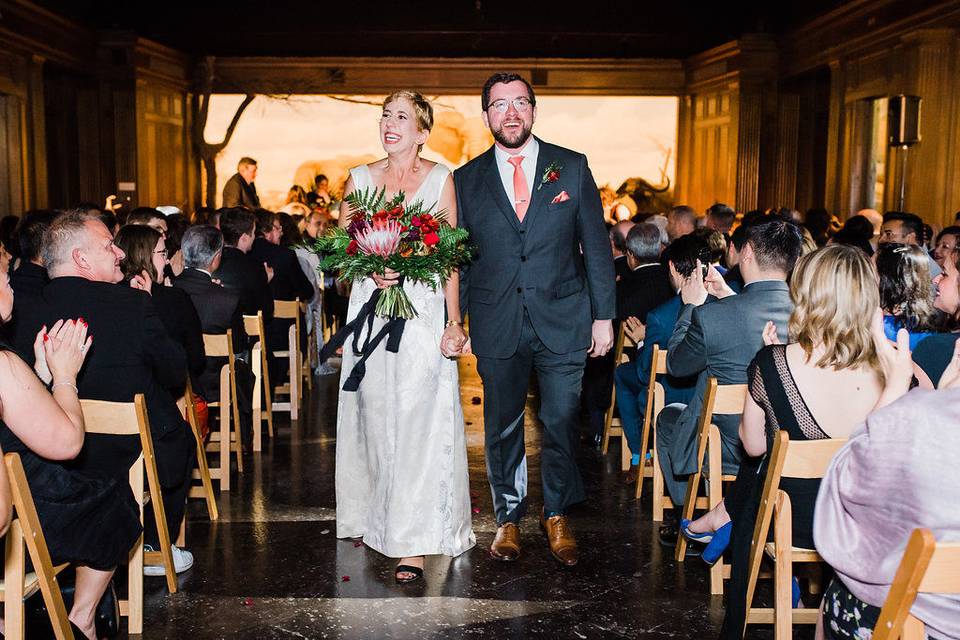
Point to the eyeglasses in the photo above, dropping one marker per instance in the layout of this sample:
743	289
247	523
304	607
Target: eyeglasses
520	104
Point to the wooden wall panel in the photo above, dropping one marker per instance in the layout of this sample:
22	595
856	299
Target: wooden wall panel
162	146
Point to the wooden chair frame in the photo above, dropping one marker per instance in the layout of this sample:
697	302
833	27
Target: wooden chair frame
202	472
927	566
130	418
225	439
613	427
307	359
727	399
25	530
800	459
656	399
293	388
262	393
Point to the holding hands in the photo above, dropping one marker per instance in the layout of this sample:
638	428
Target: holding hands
454	341
60	352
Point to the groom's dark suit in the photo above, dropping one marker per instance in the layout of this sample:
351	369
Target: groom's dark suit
531	294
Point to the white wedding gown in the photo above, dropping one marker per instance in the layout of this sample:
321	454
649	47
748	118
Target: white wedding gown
401	476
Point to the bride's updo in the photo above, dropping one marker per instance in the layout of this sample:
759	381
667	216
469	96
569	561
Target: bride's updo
421	107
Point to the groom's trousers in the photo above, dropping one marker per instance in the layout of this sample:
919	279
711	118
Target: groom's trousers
505	384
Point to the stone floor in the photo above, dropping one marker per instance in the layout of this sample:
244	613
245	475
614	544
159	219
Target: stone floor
271	567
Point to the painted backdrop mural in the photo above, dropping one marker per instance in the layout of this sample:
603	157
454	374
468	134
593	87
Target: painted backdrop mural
294	138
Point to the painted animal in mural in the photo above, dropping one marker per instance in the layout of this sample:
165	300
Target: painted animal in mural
649	198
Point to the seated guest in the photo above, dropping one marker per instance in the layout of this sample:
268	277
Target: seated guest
646	284
732	258
90	521
857	232
632	379
618	245
238	271
905	295
109	220
720	218
8	229
719	340
296	202
716	249
176	226
149	216
681	220
819	223
947	241
312	227
897	473
906	228
933	353
145	259
219	310
133	354
821	385
30	276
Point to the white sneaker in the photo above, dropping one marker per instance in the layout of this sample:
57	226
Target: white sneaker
182	560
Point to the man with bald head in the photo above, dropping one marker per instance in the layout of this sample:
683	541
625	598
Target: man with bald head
681	220
131	353
618	244
876	220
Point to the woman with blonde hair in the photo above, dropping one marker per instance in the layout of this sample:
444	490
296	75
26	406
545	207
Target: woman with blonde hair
821	385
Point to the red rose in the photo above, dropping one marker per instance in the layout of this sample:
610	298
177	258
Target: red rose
352	248
553	176
396	212
431	239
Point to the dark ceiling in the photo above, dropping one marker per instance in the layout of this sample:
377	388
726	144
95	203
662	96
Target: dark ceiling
455	28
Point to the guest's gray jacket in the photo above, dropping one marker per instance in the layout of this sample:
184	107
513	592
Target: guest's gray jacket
557	264
719	339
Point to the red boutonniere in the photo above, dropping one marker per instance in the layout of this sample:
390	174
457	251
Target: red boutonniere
550	174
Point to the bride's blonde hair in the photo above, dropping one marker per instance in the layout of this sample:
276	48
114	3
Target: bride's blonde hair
421	108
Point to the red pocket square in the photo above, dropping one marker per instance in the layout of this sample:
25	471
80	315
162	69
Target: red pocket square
563	196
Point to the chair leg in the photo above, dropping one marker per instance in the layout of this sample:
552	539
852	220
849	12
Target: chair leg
14	575
204	469
689	505
224	429
257	364
626	455
715	484
135	587
658	488
267	394
782	570
293	351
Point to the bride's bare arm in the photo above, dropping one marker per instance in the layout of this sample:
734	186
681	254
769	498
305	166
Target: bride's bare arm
348	188
454	336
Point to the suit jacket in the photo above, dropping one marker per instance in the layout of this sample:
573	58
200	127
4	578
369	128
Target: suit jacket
131	353
244	275
660	324
641	290
557	265
218	309
27	282
719	339
237	193
181	321
620	266
289	281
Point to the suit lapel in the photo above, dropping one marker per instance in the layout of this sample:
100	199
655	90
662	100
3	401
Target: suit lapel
495	186
537	195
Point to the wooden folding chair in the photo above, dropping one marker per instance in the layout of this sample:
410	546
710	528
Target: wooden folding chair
262	396
727	399
614	426
927	566
17	584
290	310
127	419
656	399
799	459
202	472
307	359
224	438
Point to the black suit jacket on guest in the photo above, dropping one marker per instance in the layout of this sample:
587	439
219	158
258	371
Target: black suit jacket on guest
557	264
244	275
27	282
643	290
237	193
131	353
620	266
180	318
289	281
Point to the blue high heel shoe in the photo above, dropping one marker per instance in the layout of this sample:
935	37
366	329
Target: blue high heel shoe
796	592
719	544
691	535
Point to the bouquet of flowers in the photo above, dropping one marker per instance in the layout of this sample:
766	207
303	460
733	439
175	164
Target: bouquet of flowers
412	240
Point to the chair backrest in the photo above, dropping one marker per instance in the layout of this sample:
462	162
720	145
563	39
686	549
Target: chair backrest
286	308
655	392
218	345
927	567
659	365
110	418
718	399
253	325
618	345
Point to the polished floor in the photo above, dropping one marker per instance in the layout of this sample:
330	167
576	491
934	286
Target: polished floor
271	567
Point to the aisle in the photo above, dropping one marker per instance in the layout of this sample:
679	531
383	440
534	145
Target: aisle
272	568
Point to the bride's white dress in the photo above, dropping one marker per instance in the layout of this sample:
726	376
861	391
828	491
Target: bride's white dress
401	475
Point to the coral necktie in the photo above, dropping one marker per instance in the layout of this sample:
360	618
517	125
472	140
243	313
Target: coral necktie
521	192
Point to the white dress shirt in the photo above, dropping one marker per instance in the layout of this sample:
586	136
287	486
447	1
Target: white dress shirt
529	151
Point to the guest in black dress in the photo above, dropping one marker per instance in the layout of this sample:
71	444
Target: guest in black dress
146	256
89	521
822	385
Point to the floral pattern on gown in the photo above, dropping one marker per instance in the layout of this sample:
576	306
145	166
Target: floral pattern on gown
401	476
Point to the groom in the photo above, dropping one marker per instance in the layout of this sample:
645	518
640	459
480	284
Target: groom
540	297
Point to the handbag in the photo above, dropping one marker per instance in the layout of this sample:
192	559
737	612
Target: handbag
202	412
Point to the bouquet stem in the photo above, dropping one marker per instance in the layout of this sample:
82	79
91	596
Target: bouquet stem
395	303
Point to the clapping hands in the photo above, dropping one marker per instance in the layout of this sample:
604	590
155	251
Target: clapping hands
59	353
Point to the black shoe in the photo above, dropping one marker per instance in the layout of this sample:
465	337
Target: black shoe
592	441
670	533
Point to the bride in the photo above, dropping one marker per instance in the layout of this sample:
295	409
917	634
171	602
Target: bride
401	474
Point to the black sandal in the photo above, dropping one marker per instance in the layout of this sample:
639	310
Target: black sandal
406	568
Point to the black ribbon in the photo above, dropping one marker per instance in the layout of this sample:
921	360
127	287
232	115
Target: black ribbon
392	330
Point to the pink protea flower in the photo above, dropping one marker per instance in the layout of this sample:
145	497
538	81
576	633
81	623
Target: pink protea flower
380	240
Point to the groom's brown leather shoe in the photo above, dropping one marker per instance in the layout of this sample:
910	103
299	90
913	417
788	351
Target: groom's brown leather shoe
506	544
563	546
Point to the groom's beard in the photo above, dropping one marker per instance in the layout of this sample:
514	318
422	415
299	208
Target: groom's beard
512	139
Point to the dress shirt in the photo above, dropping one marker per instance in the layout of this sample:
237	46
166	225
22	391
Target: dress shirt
529	151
